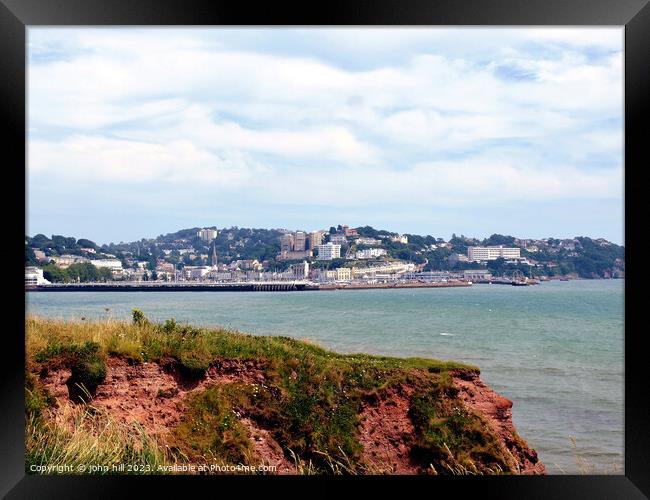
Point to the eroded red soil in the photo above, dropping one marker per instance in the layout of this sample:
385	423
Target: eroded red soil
497	411
153	396
386	433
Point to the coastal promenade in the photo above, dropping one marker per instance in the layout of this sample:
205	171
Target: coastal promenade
273	286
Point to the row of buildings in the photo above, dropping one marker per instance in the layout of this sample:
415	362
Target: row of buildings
331	251
302	245
299	271
394	269
65	261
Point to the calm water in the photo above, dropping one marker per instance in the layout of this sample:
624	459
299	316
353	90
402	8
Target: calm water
555	350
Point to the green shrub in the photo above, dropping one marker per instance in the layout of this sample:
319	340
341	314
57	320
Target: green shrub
139	318
86	363
211	428
170	325
193	364
448	435
37	398
89	373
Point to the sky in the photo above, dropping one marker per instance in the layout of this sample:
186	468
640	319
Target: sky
136	132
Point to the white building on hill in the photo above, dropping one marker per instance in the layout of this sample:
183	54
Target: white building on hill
370	253
207	235
112	264
329	251
475	254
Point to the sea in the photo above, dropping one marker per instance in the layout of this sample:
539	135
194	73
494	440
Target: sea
555	349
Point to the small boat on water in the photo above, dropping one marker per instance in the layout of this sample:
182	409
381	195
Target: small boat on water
518	279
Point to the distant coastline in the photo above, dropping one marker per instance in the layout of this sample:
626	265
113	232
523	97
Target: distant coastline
267	287
336	257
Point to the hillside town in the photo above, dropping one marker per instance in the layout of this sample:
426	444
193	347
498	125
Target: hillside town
338	255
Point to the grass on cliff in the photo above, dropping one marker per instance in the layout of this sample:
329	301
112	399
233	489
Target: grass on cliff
192	347
79	436
451	437
310	400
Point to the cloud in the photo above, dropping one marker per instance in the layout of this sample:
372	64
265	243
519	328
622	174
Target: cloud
433	118
97	160
195	123
443	184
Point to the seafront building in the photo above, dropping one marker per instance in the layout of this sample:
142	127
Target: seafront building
343	274
476	275
427	276
478	254
300	271
329	251
391	268
34	276
246	265
195	272
325	275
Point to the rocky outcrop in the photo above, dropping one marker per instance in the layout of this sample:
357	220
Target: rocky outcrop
497	413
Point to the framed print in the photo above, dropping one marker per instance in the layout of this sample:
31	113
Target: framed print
377	245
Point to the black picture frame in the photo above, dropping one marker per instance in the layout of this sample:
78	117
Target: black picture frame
17	15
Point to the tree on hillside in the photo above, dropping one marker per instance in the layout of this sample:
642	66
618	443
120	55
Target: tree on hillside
499	239
30	258
84	243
